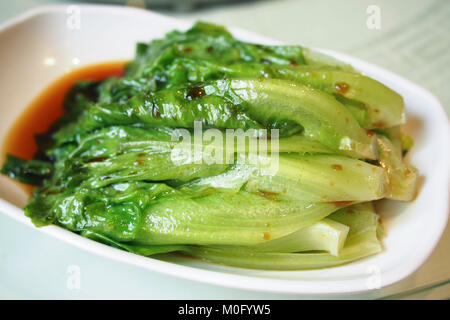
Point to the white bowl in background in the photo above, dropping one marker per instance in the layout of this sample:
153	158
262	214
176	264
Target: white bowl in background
41	45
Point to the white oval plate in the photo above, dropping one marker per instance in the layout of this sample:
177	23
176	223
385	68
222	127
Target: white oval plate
39	46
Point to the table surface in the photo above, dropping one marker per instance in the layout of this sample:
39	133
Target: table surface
413	40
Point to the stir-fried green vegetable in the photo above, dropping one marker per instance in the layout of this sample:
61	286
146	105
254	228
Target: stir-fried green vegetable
124	165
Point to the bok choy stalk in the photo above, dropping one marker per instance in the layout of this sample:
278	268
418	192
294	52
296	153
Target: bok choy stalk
325	235
362	241
402	176
382	106
244	104
154	213
121	154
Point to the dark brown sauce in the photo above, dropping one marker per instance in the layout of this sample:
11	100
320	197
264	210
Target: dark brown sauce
342	204
47	107
269	195
337	167
195	93
342	88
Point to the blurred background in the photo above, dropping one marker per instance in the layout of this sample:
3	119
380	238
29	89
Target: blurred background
408	37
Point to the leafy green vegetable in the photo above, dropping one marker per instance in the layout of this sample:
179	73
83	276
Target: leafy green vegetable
148	162
31	172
